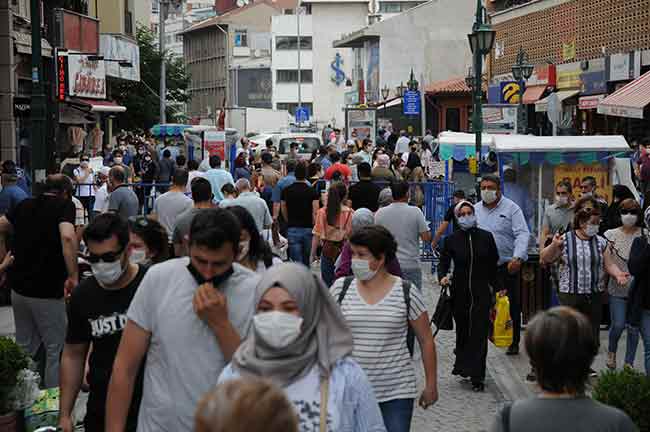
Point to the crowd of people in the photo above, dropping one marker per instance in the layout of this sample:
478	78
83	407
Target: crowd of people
172	316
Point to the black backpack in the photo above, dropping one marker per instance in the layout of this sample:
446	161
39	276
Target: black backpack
406	290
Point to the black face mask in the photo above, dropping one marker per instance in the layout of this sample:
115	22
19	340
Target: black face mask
216	281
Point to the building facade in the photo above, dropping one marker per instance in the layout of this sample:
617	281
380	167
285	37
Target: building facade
285	59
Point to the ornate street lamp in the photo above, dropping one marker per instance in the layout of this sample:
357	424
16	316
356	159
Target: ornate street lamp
412	82
385	92
522	70
469	79
481	41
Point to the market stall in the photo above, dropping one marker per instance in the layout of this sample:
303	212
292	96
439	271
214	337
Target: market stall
460	147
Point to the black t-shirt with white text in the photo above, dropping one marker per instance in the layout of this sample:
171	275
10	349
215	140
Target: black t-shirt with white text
39	269
98	316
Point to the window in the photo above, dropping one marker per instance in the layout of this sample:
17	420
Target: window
396	6
305	144
291	43
291	107
241	38
179	37
291	76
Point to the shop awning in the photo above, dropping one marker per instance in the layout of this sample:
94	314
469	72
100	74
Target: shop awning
628	101
461	146
542	105
169	129
99	106
533	94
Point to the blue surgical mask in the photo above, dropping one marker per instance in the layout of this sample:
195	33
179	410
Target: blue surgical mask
467	222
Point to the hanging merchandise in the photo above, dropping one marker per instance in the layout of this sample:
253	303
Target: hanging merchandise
76	136
96	138
502	323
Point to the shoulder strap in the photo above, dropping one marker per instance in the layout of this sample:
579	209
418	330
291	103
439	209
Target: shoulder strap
344	289
410	334
505	418
406	290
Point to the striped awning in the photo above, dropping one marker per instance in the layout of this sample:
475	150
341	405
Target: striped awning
628	101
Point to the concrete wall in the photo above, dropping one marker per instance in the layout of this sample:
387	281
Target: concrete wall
330	21
431	39
286	25
110	14
142	12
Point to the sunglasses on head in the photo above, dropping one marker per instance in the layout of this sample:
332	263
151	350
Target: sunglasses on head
106	257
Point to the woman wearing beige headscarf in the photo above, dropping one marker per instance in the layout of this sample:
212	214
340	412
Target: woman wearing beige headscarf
301	342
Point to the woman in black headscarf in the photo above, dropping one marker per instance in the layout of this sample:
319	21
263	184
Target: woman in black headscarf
414	173
612	219
473	282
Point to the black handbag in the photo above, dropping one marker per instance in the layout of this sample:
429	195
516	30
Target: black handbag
442	316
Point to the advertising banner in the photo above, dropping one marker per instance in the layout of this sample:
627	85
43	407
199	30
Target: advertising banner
361	121
86	78
575	173
214	142
115	47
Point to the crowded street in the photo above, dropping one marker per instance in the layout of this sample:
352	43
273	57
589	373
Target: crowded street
325	216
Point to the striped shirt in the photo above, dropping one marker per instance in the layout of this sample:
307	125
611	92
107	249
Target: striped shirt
379	333
581	267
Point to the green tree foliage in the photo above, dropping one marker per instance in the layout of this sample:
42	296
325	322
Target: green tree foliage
140	98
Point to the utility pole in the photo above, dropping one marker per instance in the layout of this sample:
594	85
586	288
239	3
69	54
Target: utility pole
164	4
299	66
39	150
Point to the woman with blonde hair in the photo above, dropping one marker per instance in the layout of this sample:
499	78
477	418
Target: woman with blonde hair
246	405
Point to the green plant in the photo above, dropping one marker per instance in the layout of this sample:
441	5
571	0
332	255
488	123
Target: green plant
12	360
628	390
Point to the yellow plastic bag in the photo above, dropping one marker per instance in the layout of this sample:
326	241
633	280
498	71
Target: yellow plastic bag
502	332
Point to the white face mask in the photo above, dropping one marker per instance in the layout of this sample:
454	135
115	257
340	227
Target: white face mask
586	194
107	273
277	329
629	219
117	160
562	200
244	248
138	256
591	230
488	196
361	269
467	222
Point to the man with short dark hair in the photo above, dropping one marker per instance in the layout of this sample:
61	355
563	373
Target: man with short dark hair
44	270
284	182
122	200
97	315
270	175
299	205
171	204
218	177
187	319
11	194
202	197
365	194
407	224
166	167
505	220
118	160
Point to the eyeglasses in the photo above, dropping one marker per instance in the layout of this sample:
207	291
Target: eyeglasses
106	257
629	211
85	160
140	221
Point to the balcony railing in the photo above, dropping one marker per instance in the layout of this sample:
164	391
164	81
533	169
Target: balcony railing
501	5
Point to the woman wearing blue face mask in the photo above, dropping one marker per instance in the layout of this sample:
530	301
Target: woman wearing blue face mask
468	264
300	341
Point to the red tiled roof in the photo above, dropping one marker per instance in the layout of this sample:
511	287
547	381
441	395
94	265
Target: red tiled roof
451	86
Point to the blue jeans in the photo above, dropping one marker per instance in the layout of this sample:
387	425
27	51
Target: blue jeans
299	244
327	270
397	414
414	275
617	312
645	334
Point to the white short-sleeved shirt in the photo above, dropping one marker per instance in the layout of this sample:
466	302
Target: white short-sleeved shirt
101	199
184	359
86	188
379	333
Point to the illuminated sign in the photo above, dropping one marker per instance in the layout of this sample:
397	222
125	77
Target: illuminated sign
61	77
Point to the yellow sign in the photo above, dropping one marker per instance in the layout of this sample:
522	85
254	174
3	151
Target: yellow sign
569	50
510	93
575	173
569	79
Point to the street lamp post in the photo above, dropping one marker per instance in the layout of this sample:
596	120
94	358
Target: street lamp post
385	92
480	41
522	71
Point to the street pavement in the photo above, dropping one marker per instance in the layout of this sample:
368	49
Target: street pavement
458	409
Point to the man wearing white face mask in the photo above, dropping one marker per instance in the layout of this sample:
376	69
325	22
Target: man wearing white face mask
559	215
505	220
97	315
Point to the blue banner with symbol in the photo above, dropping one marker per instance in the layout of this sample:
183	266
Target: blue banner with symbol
411	102
302	115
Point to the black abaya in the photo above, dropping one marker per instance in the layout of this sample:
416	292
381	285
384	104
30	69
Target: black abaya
474	255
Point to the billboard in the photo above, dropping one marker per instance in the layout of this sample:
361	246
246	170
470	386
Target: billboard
254	88
86	78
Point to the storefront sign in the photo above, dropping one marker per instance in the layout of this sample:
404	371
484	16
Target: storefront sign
569	50
412	103
619	111
594	83
510	92
542	75
494	94
619	67
499	119
22	107
116	47
568	76
86	78
575	173
590	102
214	143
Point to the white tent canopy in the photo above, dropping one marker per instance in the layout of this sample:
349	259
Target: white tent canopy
563	144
